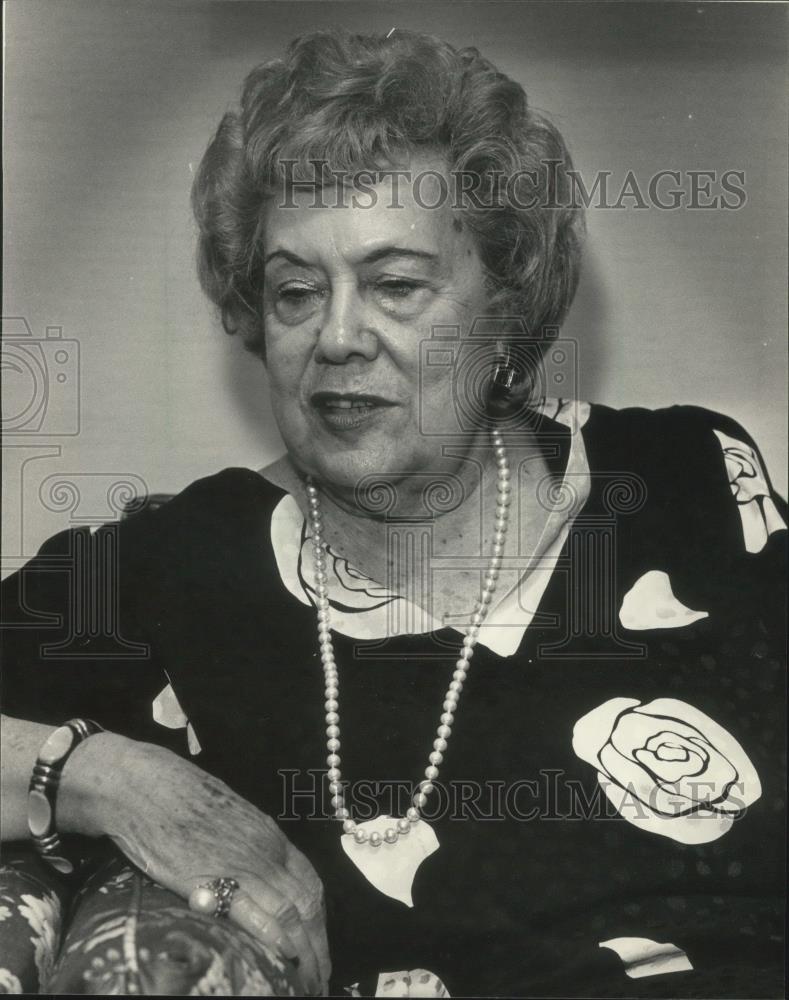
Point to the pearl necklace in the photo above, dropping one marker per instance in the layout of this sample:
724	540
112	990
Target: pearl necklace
332	692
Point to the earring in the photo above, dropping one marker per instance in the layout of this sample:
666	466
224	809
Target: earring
505	373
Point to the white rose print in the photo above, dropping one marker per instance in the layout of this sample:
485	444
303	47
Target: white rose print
748	482
667	767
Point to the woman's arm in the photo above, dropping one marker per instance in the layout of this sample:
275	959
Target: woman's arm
175	822
84	782
182	827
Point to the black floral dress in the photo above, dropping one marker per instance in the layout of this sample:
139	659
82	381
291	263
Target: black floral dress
610	811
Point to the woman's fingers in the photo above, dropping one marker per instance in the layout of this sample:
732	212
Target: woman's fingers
318	927
280	897
268	916
314	914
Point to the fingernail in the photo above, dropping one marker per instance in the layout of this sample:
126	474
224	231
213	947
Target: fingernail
286	949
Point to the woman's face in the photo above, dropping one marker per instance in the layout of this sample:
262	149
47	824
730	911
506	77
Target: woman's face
350	294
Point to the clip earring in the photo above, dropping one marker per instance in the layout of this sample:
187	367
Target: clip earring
504	374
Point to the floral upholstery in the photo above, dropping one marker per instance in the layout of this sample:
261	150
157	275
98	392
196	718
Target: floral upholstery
120	933
32	900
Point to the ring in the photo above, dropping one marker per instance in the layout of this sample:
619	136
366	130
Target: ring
213	898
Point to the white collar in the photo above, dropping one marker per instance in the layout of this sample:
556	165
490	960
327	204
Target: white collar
363	609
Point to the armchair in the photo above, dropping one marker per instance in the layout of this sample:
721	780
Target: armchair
117	932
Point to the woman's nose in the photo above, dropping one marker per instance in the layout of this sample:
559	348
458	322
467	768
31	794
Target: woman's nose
344	332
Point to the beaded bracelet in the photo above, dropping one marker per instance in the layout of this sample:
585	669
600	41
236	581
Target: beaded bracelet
44	782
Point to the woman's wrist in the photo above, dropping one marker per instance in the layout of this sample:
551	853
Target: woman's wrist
92	783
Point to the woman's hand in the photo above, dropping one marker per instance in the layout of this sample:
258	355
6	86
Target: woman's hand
183	827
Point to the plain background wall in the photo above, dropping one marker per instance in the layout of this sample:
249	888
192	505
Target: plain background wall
108	107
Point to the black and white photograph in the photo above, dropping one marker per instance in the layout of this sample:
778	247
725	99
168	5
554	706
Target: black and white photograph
394	524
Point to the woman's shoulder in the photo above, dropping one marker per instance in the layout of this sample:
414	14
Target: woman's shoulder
686	449
688	414
167	532
234	485
230	496
680	425
692	497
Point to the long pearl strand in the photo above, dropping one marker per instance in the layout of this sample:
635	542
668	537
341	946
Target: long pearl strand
452	697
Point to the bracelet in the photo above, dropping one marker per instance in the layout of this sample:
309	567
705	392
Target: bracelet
44	782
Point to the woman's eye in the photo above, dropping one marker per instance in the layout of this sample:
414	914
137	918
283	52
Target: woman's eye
295	293
399	287
294	303
402	297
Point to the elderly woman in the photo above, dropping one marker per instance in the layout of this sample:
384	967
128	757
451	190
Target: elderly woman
474	680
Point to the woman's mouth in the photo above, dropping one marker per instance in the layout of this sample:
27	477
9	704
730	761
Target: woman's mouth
347	411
